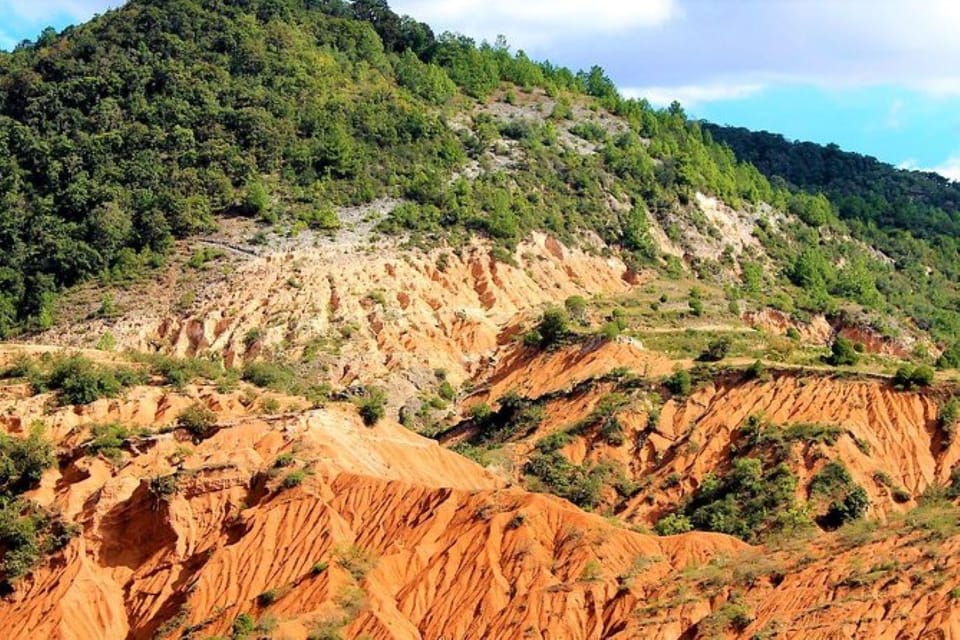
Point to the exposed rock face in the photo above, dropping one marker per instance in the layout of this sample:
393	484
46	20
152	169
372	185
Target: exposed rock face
373	313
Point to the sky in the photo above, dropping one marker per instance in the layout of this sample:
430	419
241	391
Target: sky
878	77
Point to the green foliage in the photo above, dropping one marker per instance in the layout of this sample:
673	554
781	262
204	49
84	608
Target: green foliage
580	484
516	415
673	524
552	328
108	440
909	377
78	380
947	419
842	353
372	406
679	383
269	375
912	217
750	501
294	479
576	307
199	420
204	255
356	561
950	358
23	461
178	372
848	500
27	531
716	351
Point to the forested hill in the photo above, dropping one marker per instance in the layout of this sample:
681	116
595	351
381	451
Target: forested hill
150	122
145	124
861	187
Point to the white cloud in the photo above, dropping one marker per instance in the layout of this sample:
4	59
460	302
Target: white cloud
949	169
539	22
690	95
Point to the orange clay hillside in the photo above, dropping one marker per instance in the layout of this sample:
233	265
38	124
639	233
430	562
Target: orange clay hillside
239	469
708	479
311	524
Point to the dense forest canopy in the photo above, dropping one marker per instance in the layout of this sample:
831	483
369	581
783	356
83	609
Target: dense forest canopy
147	123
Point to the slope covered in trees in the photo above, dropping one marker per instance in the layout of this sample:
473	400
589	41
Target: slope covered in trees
911	216
143	125
150	122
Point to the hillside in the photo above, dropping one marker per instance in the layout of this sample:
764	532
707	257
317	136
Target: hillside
318	324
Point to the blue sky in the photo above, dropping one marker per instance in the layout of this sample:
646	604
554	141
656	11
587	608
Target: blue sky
875	76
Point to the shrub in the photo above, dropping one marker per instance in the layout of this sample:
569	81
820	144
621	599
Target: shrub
373	406
107	440
446	391
848	500
553	327
947	419
580	484
680	383
198	420
842	353
294	479
268	597
793	333
79	381
750	501
576	306
23	461
592	572
269	375
755	371
673	524
717	350
355	561
696	307
243	625
283	460
908	377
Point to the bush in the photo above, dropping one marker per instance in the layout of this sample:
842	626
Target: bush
717	350
750	501
27	531
107	440
294	479
947	419
673	524
580	484
198	420
269	375
23	461
553	327
842	353
355	561
79	381
373	406
680	383
908	377
848	500
576	306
